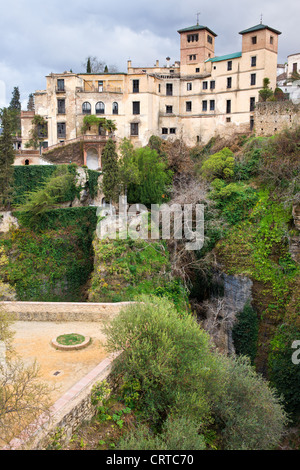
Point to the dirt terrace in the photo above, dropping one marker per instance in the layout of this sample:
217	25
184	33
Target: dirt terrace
61	369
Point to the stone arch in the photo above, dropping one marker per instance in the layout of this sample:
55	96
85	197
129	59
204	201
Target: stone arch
92	160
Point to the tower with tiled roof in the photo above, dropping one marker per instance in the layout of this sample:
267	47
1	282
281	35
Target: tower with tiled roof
197	44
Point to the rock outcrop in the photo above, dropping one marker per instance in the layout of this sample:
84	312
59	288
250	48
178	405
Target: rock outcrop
221	311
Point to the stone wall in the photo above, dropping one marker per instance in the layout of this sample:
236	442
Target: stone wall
71	153
272	117
62	311
65	415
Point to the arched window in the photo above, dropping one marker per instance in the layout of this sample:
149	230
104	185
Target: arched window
115	108
27	162
86	108
100	108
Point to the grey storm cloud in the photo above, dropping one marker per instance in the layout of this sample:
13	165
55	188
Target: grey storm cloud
37	38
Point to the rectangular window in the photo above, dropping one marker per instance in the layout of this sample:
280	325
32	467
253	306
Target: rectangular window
100	86
193	57
169	109
209	39
136	107
159	88
197	70
42	131
295	67
228	106
254	39
135	86
173	130
164	130
204	105
61	106
229	82
169	89
188	106
271	39
212	85
253	79
212	105
189	86
134	129
229	65
61	130
60	84
192	37
253	61
252	103
204	85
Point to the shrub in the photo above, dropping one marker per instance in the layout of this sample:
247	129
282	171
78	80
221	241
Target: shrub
178	433
245	333
234	199
59	188
162	352
220	165
171	359
284	374
249	413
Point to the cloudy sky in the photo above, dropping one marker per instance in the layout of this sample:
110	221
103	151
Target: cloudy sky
37	37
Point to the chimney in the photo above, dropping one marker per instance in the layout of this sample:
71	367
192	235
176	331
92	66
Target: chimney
168	61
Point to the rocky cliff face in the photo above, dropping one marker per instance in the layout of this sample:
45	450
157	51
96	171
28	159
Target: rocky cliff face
221	311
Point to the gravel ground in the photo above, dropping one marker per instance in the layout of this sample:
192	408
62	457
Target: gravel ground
62	369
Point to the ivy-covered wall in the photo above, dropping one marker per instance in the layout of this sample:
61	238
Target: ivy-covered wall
31	178
54	263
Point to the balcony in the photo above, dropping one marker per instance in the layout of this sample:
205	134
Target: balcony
60	89
100	89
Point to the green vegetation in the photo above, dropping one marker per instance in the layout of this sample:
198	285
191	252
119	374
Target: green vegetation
125	269
173	374
110	169
255	201
6	159
54	263
70	339
284	373
32	178
219	165
245	333
60	187
38	132
92	120
154	178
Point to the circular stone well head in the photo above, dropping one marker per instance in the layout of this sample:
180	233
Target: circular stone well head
70	341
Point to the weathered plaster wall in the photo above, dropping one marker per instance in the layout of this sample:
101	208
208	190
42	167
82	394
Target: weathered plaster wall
272	117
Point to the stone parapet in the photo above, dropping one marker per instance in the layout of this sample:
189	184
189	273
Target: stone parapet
63	311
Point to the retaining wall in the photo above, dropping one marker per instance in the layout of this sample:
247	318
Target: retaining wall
62	311
65	415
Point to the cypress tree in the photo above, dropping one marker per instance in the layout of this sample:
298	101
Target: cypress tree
15	110
30	104
88	66
7	156
110	168
15	101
